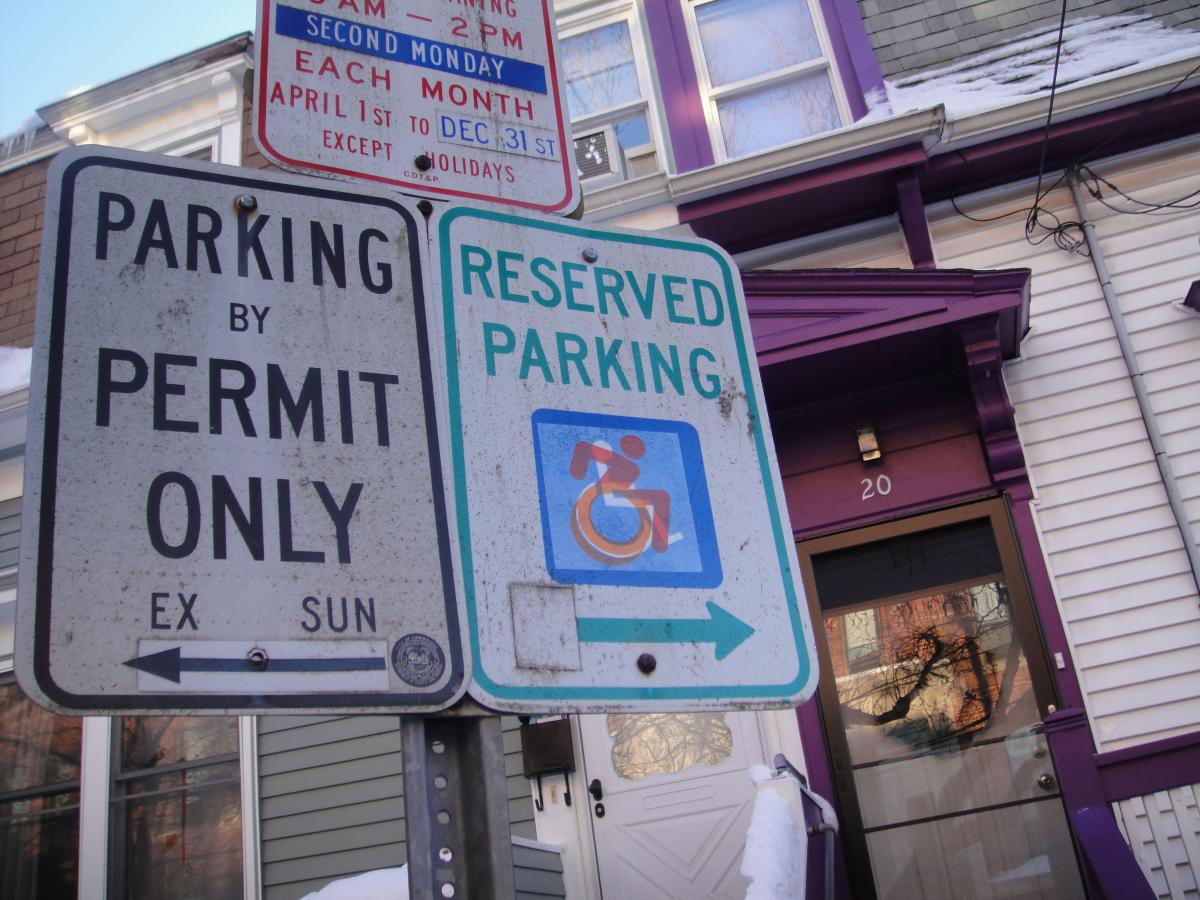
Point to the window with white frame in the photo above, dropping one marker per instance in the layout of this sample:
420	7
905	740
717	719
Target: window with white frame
608	91
765	68
175	827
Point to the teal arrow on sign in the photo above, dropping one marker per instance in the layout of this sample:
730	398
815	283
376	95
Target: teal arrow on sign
722	628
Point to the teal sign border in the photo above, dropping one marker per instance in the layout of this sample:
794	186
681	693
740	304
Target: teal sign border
776	692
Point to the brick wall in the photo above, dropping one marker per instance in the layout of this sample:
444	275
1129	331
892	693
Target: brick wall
22	197
911	35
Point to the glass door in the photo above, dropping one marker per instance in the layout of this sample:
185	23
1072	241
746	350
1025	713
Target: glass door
933	687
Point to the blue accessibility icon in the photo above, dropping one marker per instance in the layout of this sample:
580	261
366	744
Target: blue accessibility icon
624	501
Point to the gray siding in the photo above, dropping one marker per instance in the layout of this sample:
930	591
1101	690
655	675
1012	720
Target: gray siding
331	793
911	35
10	532
539	873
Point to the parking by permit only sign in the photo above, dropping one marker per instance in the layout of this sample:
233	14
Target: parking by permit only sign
457	99
233	499
623	538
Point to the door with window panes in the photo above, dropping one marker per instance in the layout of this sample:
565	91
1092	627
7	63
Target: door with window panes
933	687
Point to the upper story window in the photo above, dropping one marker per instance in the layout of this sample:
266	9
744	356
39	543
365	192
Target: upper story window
608	91
764	66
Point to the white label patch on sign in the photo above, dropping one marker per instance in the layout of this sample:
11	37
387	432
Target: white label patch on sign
232	460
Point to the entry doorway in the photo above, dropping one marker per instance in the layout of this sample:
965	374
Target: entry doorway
670	800
933	687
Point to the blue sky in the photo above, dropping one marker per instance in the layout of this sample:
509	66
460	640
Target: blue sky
50	47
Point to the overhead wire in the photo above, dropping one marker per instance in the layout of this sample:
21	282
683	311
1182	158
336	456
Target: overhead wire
1035	213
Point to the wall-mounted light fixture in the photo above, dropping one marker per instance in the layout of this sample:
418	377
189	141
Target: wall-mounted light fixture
868	442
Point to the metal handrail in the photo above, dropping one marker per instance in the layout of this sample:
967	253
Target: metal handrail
822	827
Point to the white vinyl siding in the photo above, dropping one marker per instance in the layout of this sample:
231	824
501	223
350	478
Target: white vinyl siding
1116	557
1163	831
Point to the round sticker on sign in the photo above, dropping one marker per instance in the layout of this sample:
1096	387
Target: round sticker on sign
418	660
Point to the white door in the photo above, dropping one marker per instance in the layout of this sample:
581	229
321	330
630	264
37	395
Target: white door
675	801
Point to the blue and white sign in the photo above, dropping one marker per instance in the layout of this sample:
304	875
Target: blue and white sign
620	525
624	501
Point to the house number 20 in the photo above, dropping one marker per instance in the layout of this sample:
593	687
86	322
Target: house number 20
881	485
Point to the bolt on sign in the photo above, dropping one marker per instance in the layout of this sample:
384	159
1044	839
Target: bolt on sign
457	99
232	497
623	540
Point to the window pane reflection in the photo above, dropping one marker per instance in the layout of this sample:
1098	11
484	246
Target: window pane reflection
599	70
948	668
176	816
778	115
39	827
665	743
185	844
744	38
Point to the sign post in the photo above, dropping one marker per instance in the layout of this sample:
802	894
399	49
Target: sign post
233	500
449	100
623	537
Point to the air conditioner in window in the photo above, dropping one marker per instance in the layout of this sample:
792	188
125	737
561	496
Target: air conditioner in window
598	156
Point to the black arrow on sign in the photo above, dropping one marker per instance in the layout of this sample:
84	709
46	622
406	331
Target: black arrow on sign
169	664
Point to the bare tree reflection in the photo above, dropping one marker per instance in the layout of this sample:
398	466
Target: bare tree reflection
944	661
664	743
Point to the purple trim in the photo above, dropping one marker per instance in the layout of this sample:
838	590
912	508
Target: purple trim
680	87
911	207
997	422
853	56
863	189
1054	635
820	779
1192	300
801	314
1148	768
1018	156
805	203
1110	868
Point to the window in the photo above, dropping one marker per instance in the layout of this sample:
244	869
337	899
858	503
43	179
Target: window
606	85
175	821
765	66
39	798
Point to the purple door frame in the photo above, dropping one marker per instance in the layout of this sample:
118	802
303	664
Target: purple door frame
807	326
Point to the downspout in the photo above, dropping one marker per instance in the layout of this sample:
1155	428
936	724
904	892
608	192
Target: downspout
1174	498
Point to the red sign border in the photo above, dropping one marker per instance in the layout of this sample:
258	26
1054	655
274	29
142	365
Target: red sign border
262	45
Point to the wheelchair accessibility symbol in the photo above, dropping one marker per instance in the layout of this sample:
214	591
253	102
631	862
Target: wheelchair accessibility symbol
624	501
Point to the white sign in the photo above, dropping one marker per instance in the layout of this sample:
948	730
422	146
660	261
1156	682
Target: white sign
623	538
232	496
456	99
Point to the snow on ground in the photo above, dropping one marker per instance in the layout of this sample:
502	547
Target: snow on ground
14	368
1094	48
382	884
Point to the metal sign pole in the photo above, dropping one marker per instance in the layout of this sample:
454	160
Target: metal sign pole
456	809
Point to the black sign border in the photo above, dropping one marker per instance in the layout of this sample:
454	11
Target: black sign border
234	703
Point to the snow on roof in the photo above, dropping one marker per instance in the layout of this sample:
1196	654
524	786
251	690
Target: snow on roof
1093	48
21	140
14	368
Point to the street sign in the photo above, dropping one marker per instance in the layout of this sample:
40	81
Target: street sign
623	540
457	100
232	495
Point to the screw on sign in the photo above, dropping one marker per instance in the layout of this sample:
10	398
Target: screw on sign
458	100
